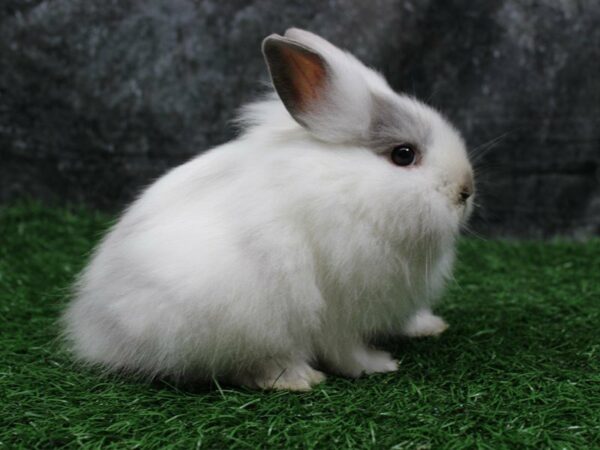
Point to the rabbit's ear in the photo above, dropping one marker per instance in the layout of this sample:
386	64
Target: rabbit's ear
314	41
299	74
321	89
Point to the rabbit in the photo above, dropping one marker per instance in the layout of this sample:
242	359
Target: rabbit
270	260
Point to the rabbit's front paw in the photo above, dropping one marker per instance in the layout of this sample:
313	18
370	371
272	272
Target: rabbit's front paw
289	377
380	362
363	360
424	323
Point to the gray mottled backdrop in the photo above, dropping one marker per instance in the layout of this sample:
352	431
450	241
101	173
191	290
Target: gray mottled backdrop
99	97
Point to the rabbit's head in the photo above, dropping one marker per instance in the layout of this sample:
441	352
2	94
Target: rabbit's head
342	102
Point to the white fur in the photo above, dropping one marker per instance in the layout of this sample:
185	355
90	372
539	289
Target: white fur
277	251
424	323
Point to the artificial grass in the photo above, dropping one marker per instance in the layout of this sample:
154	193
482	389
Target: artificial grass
519	366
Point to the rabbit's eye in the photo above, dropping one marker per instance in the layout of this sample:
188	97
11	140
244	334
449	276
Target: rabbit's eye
403	155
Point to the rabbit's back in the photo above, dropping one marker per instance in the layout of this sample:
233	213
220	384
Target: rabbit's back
196	278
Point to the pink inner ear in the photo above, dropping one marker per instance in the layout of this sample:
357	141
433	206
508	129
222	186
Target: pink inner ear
307	76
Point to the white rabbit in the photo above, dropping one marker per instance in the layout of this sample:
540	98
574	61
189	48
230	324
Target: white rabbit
331	220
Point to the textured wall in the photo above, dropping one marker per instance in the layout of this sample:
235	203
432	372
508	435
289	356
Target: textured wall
99	97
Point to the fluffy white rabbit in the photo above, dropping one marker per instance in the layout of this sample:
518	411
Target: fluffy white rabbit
331	219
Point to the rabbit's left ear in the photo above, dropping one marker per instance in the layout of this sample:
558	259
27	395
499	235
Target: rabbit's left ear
299	74
322	91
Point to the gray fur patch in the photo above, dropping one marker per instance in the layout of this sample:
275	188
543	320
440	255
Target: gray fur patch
397	121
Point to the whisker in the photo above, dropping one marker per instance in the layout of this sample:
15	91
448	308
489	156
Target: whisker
452	279
473	233
477	205
477	153
433	93
493	141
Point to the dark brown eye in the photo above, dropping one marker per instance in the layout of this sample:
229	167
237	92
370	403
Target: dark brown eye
403	155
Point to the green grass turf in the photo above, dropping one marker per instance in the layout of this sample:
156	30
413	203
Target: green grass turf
519	366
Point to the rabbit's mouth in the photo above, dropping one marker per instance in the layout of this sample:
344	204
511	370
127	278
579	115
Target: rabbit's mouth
467	210
459	195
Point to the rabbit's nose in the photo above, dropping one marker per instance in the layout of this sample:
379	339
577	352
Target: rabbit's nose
466	190
464	195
